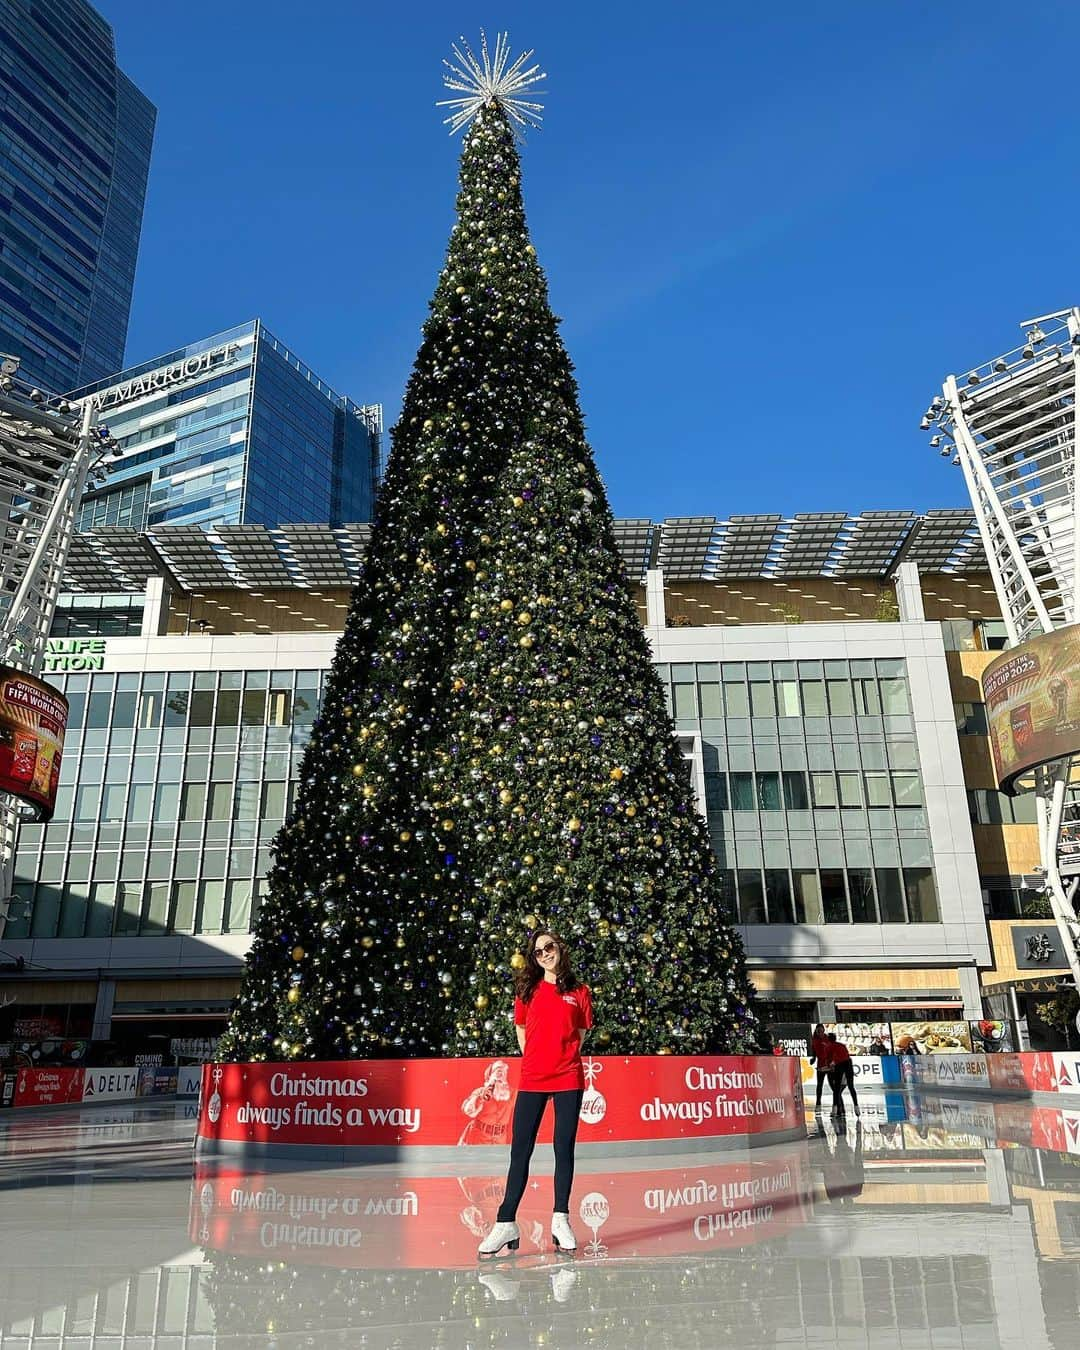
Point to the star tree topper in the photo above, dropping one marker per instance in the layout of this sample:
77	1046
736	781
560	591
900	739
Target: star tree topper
491	78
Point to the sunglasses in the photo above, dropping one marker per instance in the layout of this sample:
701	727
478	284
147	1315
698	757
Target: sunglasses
546	950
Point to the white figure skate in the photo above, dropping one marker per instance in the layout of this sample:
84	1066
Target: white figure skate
502	1235
562	1234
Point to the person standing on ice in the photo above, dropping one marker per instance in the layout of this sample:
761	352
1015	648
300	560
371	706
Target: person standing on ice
552	1016
841	1075
820	1048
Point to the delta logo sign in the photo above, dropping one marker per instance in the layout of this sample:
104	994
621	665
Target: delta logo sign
1067	1073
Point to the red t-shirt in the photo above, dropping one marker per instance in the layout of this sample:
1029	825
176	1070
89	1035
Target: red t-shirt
821	1049
838	1053
552	1058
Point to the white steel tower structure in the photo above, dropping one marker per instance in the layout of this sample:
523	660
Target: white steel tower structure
1011	426
48	447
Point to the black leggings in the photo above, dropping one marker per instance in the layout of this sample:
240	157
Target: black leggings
822	1075
843	1075
528	1112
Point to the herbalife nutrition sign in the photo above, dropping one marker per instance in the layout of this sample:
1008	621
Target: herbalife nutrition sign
68	654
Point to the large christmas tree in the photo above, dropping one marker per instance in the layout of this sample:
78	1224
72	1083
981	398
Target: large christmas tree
493	749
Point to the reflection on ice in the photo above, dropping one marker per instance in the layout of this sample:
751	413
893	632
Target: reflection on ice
931	1222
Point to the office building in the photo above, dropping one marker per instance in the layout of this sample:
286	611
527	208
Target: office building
75	141
231	430
823	679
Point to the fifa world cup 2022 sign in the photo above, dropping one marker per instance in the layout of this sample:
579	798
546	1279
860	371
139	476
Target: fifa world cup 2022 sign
1032	695
33	719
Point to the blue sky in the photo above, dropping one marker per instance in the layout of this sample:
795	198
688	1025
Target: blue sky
769	234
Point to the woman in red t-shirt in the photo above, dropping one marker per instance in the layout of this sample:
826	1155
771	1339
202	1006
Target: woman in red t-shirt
820	1050
552	1014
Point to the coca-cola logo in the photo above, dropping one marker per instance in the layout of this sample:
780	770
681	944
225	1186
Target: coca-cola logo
593	1107
595	1210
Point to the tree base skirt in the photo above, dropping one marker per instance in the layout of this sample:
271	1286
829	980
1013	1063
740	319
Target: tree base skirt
459	1110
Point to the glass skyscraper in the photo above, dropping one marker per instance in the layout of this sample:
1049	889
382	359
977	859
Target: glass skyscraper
232	430
75	141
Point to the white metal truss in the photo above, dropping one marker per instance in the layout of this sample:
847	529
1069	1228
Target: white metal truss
47	449
1011	426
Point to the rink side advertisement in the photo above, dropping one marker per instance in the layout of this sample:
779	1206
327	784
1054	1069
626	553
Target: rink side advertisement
470	1101
1032	696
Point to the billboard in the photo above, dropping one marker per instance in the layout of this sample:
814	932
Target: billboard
437	1102
931	1038
33	718
1032	695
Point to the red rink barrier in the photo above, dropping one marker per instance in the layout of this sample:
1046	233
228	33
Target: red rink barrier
376	1221
440	1103
48	1087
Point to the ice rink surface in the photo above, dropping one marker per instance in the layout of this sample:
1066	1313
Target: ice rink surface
932	1222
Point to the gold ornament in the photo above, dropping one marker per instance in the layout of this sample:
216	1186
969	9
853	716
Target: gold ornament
298	953
482	1001
573	824
506	604
616	774
517	961
293	995
526	640
405	836
367	942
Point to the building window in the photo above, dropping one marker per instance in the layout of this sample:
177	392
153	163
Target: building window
971	719
987	807
921	895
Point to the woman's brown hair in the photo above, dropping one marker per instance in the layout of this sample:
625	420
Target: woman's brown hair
526	980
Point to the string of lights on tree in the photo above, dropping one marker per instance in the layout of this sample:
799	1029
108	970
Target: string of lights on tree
493	751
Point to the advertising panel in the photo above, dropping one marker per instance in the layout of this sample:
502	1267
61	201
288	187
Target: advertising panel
860	1036
1032	696
188	1080
992	1037
949	1071
790	1038
376	1220
156	1081
1021	1072
868	1071
33	718
931	1038
448	1102
1067	1072
48	1087
110	1085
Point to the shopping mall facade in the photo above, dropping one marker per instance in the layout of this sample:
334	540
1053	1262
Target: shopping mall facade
822	674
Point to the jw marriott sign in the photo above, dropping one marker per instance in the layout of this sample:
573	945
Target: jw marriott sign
165	376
